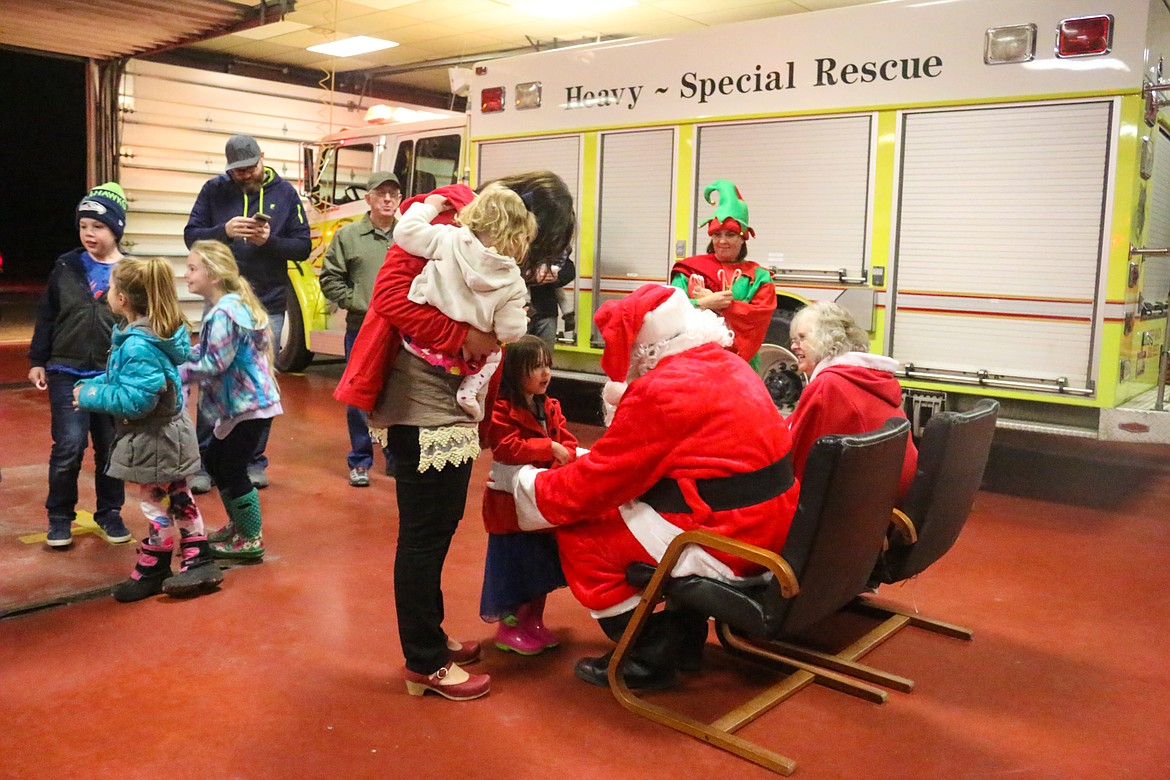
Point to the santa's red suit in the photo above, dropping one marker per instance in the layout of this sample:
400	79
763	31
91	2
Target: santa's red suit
849	394
695	423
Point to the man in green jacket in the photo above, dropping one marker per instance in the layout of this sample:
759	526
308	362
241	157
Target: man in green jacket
347	278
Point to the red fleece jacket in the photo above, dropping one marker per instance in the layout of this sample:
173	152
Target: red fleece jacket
846	399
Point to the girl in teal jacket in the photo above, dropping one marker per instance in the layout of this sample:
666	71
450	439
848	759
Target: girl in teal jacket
156	445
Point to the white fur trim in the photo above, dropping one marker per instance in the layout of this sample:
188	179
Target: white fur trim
655	534
702	327
528	515
622	607
863	359
611	393
666	320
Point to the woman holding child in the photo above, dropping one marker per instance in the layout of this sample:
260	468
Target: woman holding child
433	440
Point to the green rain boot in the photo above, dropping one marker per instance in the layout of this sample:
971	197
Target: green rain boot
247	542
229	529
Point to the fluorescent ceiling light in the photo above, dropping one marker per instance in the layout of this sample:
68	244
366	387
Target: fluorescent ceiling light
560	9
350	47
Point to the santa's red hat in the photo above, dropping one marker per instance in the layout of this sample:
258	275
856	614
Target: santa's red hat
655	316
650	314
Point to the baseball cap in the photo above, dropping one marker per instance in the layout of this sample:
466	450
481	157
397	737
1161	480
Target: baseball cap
378	178
241	151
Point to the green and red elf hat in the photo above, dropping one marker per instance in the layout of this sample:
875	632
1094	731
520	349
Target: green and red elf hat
731	213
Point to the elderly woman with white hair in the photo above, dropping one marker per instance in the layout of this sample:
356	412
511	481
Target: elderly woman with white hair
849	391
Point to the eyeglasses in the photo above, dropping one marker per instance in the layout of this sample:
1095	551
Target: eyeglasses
247	173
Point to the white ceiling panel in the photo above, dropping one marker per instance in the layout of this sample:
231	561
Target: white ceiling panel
431	32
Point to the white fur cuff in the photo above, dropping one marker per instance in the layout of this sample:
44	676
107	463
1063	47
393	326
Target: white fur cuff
528	516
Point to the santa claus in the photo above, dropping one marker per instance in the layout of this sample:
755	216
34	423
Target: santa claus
694	442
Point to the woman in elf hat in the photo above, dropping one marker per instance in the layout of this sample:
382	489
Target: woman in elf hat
723	281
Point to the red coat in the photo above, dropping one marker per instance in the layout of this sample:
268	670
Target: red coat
392	313
848	399
699	414
517	438
748	319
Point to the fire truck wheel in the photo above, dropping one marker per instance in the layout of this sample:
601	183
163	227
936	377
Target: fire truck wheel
778	328
781	376
294	355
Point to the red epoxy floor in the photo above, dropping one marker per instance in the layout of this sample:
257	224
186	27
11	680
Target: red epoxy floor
293	669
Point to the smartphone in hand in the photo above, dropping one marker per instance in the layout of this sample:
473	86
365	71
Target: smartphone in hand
261	217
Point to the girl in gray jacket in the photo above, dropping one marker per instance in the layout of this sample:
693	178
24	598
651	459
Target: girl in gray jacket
156	445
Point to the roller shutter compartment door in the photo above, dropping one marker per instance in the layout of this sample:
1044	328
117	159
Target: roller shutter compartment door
806	183
998	242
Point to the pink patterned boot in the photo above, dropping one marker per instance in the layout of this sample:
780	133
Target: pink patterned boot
151	570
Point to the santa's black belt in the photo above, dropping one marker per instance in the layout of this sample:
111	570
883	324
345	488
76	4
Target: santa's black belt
723	493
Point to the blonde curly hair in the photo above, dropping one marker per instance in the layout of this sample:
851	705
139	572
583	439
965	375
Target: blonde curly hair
500	213
830	331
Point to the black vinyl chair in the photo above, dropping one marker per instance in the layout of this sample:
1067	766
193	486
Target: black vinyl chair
951	459
847	494
952	456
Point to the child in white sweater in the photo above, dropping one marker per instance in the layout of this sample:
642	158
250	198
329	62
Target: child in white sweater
474	276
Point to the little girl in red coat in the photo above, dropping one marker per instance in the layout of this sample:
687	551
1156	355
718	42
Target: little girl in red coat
521	569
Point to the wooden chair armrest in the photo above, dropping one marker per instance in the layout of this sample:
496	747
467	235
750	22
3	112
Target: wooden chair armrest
903	527
785	577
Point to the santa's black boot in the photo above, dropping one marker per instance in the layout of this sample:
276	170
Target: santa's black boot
650	664
692	627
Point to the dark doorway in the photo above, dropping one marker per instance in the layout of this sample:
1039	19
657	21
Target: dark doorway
42	154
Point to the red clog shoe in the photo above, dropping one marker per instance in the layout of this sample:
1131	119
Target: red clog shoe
473	687
464	653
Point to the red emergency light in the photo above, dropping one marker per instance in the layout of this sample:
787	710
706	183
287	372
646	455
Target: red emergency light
1085	36
491	100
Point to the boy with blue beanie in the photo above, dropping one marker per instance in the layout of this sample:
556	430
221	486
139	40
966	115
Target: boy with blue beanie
71	339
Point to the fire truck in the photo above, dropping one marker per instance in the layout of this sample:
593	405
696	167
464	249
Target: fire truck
984	184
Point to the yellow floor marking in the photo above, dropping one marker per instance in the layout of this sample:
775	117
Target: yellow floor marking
83	524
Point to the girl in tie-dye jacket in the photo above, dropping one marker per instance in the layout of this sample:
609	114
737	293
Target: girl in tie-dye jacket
232	366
